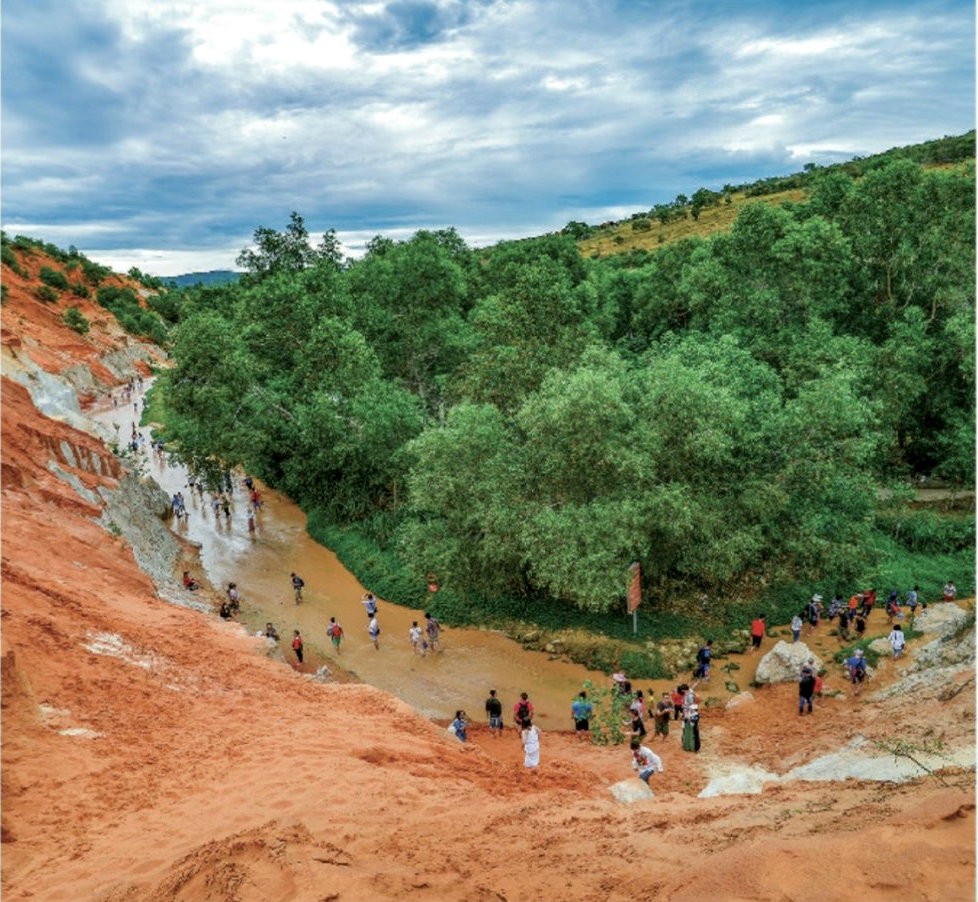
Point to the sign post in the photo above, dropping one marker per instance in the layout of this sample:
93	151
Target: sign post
635	593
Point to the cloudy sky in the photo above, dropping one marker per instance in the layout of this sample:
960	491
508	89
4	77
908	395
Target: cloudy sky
161	133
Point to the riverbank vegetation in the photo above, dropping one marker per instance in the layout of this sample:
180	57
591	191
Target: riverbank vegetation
521	423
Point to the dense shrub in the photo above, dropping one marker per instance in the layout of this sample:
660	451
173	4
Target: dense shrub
80	289
53	277
124	305
928	531
75	319
94	273
46	293
8	256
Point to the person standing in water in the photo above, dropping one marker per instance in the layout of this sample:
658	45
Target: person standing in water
297	584
297	645
433	629
373	629
418	644
494	713
335	633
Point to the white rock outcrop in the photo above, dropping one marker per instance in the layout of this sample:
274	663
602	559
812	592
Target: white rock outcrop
782	664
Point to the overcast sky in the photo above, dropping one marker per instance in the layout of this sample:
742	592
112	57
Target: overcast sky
161	134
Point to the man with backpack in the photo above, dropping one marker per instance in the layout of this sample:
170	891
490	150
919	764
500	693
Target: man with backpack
297	584
522	710
335	633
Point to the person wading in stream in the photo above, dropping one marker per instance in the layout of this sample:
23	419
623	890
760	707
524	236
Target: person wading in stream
373	628
297	584
494	712
433	629
335	633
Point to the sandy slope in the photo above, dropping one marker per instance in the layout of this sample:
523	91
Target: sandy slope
155	753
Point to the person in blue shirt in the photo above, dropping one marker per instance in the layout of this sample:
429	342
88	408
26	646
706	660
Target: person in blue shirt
856	666
581	712
459	724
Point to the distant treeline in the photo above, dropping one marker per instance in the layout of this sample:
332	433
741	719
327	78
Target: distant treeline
941	151
211	277
525	423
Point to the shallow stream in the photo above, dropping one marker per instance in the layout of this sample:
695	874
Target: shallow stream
468	663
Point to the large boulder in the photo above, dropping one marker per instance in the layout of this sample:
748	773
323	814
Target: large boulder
783	663
941	618
629	791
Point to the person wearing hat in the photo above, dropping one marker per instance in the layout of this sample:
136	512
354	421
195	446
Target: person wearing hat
856	667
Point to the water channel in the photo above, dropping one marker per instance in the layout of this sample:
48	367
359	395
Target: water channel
459	675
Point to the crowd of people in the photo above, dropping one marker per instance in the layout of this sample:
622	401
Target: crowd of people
681	704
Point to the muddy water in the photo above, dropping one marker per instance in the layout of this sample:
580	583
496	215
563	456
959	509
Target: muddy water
468	664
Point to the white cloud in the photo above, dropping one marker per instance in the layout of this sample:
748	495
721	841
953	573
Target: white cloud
218	116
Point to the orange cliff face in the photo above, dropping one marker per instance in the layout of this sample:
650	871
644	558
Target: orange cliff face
35	329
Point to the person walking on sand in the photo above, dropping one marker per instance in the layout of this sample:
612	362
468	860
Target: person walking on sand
494	714
297	645
335	633
757	629
522	710
898	641
373	629
663	710
530	737
297	585
433	630
806	688
581	710
644	760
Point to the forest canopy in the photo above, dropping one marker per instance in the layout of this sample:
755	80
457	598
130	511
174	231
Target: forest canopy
526	422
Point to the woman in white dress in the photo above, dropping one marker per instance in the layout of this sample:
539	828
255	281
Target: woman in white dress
530	736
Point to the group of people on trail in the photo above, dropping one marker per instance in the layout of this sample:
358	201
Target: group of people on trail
522	721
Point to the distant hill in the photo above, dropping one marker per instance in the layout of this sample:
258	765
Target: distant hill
211	277
706	212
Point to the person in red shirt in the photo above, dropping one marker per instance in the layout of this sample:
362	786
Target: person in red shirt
677	703
757	629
